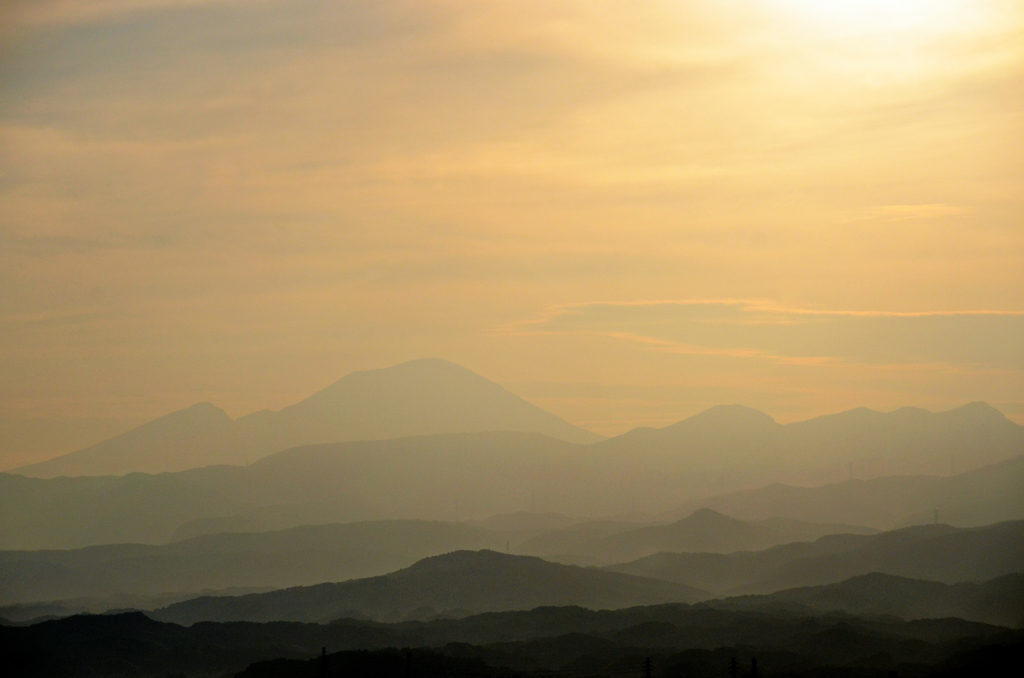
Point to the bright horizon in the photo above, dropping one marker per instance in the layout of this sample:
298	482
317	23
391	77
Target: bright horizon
623	212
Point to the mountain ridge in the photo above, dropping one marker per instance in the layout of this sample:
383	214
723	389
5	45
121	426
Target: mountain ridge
460	581
418	397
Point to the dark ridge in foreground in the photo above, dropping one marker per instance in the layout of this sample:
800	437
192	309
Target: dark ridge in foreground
681	640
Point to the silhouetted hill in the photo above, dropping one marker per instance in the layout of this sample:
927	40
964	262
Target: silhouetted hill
566	544
31	613
705	531
452	477
464	581
444	477
986	495
681	641
390	663
420	397
729	447
933	552
196	436
999	601
294	557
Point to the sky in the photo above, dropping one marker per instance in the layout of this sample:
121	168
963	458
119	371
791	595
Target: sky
625	212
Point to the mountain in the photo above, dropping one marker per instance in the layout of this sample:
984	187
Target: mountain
932	552
680	640
294	557
567	544
705	531
443	477
420	397
999	601
466	476
733	447
986	495
461	581
195	436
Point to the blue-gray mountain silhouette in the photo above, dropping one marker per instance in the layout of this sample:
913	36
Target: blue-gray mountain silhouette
705	530
465	581
932	552
998	601
452	477
420	397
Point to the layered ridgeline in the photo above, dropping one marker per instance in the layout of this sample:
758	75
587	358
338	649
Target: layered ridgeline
322	553
602	542
997	601
929	552
117	576
978	497
681	640
455	477
293	557
724	448
420	397
455	583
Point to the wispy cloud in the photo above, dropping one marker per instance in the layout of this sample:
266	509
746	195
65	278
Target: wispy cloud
764	330
932	211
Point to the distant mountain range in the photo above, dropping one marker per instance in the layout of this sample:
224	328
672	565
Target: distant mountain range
723	448
460	582
986	495
294	557
733	446
933	552
705	530
312	554
455	477
999	601
420	397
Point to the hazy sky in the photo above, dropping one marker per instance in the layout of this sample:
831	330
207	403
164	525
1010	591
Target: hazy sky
623	211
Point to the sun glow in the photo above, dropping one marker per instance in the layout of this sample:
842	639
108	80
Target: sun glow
851	17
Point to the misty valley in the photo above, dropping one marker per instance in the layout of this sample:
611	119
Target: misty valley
421	521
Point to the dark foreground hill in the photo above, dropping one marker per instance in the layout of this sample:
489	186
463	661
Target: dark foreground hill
933	552
461	582
681	640
420	397
295	557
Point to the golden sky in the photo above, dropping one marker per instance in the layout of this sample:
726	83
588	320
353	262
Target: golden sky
623	211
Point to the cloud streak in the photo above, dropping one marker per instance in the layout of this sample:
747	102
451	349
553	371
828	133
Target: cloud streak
760	329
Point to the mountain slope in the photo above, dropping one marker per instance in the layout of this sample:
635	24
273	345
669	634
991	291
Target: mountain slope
484	581
990	494
933	552
447	477
732	447
420	397
294	557
444	477
999	601
705	531
683	640
195	436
